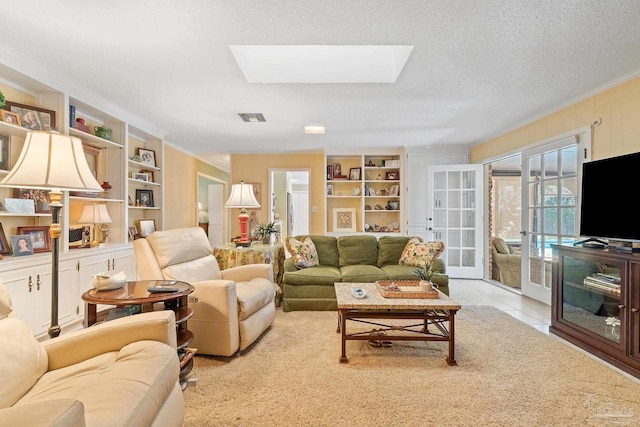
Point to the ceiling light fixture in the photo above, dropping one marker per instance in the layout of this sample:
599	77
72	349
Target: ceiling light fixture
314	130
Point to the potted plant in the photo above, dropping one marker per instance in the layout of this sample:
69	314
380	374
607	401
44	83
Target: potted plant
265	230
425	274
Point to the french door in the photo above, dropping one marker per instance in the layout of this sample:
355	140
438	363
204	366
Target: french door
550	207
454	216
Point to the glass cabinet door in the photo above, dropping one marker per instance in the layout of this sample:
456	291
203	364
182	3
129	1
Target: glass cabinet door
592	298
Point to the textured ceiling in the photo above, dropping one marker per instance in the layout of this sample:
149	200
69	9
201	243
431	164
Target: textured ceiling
477	69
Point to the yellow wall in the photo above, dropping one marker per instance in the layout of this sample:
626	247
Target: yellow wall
180	184
619	133
254	168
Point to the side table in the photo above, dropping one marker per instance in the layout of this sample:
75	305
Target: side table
136	293
229	256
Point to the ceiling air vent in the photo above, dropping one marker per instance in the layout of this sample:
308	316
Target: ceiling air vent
252	117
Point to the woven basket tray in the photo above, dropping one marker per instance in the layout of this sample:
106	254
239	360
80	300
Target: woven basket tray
408	289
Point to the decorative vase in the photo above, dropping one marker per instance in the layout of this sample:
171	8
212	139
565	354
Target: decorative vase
425	286
106	187
102	132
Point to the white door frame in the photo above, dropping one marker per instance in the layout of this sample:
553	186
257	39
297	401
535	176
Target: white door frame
225	213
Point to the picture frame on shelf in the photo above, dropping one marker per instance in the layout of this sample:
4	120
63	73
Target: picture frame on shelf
9	117
5	249
144	198
147	157
391	176
337	171
40	237
40	198
344	220
329	189
394	190
355	174
257	192
33	118
133	233
147	226
5	153
22	245
150	173
141	176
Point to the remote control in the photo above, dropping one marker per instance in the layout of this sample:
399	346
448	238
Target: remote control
158	289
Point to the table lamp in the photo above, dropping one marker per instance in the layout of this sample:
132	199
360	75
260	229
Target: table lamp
242	197
98	216
55	162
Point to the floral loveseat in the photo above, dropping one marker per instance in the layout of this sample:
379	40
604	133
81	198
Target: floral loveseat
357	259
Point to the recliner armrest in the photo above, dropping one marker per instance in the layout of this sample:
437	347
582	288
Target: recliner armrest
52	413
245	273
69	349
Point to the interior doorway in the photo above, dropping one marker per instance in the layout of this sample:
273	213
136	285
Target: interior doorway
212	216
289	202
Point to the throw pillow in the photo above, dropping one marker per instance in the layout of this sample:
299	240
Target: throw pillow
418	253
303	253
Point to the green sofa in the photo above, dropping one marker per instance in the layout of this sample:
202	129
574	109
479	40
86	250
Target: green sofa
356	259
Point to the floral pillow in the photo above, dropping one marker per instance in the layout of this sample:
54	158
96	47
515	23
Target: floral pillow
418	253
303	252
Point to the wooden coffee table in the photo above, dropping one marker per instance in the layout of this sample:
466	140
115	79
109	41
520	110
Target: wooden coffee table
433	314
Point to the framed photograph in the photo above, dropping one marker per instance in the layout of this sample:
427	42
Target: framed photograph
147	157
33	118
133	233
329	189
355	174
141	177
391	176
337	171
40	237
9	117
40	198
5	160
394	190
149	173
147	226
144	198
256	192
22	245
344	220
5	249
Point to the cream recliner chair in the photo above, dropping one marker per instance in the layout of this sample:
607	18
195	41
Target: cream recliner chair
231	308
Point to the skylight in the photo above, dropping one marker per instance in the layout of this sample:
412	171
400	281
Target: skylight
320	63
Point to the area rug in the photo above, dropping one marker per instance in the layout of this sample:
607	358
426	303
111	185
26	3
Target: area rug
508	374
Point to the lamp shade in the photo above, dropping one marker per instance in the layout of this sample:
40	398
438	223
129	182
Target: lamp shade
52	160
94	214
242	196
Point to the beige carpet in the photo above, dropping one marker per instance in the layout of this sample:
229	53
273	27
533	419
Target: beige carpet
508	374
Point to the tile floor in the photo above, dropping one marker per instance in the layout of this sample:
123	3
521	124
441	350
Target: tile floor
479	292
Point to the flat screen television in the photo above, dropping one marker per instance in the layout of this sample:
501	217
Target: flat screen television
609	197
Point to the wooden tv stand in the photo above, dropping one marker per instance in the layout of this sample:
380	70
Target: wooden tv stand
596	303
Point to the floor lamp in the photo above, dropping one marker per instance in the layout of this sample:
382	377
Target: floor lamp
242	197
55	162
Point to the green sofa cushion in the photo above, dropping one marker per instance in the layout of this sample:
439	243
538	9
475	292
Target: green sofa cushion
362	273
358	250
400	272
390	249
318	275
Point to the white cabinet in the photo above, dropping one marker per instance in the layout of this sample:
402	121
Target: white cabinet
109	262
30	290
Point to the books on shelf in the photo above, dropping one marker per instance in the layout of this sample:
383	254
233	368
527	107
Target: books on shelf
603	283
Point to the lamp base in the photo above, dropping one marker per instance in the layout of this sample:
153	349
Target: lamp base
243	244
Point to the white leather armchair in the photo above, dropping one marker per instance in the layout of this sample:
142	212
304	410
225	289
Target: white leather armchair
231	308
